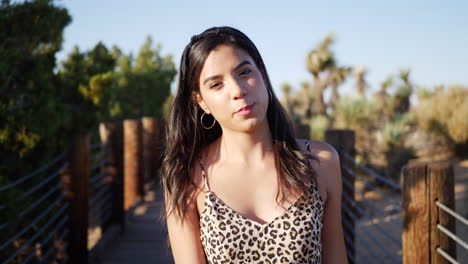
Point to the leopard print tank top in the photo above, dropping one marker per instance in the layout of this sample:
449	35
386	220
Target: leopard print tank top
292	237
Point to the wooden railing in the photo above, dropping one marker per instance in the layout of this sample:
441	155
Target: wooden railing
70	203
419	228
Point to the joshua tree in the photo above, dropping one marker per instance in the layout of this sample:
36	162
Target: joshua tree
317	61
361	84
381	98
336	77
403	93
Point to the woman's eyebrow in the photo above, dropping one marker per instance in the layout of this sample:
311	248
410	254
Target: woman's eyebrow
246	62
242	64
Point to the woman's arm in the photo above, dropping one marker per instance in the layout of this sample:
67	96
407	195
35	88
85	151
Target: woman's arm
185	237
333	249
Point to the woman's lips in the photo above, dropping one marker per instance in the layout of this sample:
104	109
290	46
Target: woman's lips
245	110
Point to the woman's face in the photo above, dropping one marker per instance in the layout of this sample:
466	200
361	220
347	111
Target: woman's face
233	90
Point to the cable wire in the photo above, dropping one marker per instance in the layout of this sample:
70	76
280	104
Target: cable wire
452	213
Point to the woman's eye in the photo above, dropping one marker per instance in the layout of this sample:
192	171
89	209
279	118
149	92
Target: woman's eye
215	85
244	72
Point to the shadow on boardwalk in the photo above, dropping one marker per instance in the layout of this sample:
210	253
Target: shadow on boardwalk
145	238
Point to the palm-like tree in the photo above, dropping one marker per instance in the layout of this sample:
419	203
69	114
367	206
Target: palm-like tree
317	61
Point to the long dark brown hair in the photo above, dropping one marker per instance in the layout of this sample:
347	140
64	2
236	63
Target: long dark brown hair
185	137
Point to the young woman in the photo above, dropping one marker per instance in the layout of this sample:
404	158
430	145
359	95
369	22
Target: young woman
238	187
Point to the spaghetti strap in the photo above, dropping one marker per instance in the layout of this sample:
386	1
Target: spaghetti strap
205	180
307	146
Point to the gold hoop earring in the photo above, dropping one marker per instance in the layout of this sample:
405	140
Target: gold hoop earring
205	127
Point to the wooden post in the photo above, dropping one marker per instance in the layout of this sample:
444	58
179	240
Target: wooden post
441	187
79	169
423	185
150	140
132	164
112	137
343	142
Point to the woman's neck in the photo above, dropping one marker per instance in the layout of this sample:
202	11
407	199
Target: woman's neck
245	148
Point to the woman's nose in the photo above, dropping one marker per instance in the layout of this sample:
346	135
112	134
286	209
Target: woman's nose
237	89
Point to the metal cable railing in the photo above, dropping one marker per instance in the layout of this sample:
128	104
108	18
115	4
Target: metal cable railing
98	165
372	173
40	200
366	247
447	256
38	233
447	232
352	209
36	172
98	195
47	240
107	212
99	176
368	202
44	182
452	213
347	226
95	146
369	235
99	191
95	209
361	211
368	185
34	222
52	249
39	205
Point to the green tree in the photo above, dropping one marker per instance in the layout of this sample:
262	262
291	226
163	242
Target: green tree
144	85
30	108
86	85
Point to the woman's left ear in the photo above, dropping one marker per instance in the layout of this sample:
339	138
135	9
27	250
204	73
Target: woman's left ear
197	98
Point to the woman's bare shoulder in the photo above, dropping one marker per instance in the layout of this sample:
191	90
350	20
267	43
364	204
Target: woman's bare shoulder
327	165
320	149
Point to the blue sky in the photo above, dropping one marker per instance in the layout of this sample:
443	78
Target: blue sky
429	37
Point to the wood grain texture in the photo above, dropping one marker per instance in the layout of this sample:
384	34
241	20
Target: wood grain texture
441	188
415	236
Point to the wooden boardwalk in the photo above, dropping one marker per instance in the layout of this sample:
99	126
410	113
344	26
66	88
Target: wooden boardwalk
144	240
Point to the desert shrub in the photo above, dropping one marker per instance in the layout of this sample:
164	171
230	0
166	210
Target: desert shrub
318	125
445	113
354	112
394	132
